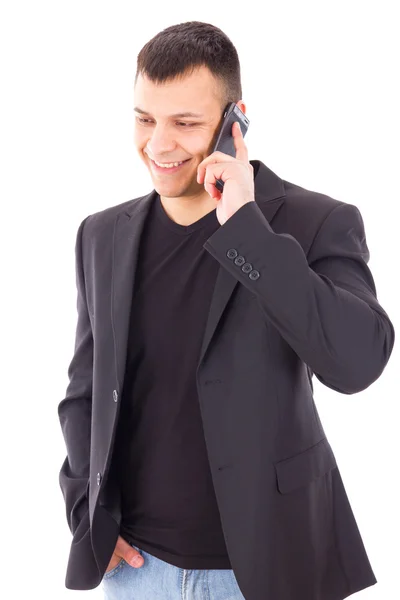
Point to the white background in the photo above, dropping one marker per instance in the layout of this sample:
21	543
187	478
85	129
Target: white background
320	82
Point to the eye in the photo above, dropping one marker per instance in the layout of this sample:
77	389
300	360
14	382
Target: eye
145	121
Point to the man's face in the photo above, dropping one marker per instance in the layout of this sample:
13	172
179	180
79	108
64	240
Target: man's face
165	138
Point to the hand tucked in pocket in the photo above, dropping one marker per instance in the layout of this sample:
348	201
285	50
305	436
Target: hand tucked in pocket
124	551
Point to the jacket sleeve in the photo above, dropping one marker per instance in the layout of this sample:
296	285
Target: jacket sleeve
324	305
75	409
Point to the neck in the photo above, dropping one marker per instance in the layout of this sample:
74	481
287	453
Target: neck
186	211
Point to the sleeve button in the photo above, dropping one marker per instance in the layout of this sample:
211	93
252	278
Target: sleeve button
254	275
232	253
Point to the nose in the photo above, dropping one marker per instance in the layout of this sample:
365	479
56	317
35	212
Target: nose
161	141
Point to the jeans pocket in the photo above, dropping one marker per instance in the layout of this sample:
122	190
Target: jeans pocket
115	570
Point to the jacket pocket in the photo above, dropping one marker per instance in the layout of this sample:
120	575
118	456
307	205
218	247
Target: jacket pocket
305	467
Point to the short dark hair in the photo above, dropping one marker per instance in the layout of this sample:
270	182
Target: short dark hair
178	50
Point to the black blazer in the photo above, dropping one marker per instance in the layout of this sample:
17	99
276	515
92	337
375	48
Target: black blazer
307	306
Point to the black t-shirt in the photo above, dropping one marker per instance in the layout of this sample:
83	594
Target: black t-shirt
169	507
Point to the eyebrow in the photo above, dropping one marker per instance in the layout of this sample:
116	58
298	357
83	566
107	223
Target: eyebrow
181	115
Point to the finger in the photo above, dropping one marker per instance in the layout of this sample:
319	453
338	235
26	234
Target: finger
238	140
215	157
129	554
213	172
212	191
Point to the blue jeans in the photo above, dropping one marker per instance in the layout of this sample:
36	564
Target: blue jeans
158	580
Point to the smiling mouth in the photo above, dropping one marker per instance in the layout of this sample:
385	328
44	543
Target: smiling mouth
167	169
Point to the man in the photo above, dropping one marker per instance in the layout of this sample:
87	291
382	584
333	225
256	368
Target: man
197	465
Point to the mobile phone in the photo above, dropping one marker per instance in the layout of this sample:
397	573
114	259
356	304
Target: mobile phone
225	141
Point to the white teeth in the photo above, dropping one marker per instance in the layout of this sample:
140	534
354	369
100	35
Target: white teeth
169	165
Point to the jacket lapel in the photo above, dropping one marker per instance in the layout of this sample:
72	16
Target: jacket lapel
128	227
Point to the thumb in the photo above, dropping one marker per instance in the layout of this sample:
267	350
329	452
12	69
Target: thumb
129	554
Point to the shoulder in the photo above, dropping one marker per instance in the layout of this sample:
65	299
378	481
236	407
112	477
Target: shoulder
95	223
298	204
309	202
308	214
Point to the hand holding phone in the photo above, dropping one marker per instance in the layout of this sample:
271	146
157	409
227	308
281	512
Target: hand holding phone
225	141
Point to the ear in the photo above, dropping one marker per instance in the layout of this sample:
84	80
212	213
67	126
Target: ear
242	106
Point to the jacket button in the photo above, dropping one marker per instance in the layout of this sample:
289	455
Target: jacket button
240	260
98	478
115	395
254	275
247	267
232	253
